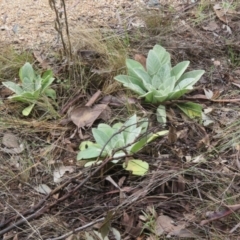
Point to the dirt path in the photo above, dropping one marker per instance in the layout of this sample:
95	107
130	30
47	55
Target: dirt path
31	24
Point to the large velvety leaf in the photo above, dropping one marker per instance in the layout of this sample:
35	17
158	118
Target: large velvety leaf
163	55
196	74
13	87
161	114
132	83
153	63
192	110
109	131
28	85
144	76
179	69
26	97
186	83
26	71
163	73
132	65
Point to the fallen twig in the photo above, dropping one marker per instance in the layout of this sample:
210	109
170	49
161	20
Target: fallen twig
220	214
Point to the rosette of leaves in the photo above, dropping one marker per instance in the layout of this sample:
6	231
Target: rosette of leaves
160	82
118	140
33	89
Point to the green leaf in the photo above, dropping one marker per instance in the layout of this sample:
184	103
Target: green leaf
161	114
186	83
26	71
179	69
144	76
117	140
49	92
131	123
102	139
85	145
13	87
132	64
26	111
148	97
28	85
157	134
196	74
169	85
46	83
47	74
38	83
192	110
132	83
137	167
136	147
163	73
157	57
160	96
163	55
26	97
153	63
92	151
107	129
177	94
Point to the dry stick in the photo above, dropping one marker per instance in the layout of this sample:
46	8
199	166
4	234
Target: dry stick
230	209
67	31
93	99
58	24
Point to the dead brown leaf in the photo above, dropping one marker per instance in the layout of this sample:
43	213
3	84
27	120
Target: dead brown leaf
172	135
10	140
212	26
85	116
141	59
165	225
41	60
221	14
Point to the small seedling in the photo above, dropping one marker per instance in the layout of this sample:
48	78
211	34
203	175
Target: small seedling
118	141
160	82
33	88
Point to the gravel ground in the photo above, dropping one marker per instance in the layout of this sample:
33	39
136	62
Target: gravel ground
30	23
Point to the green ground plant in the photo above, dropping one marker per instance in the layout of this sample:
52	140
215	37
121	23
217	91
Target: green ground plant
160	82
120	140
33	89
